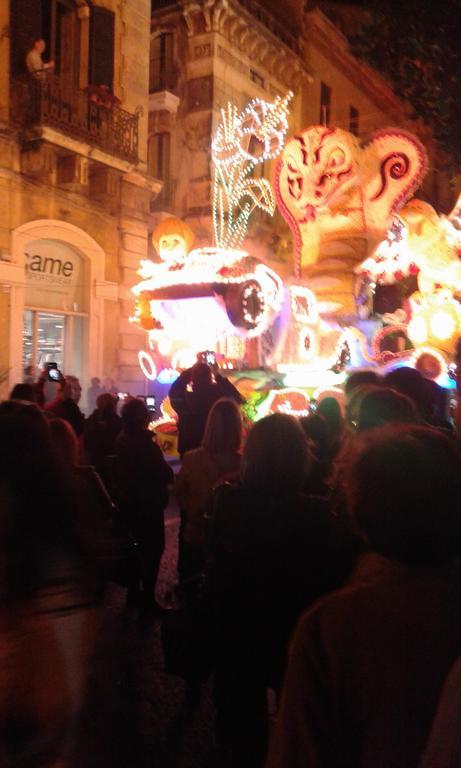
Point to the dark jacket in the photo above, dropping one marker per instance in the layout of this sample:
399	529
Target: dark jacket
270	557
68	410
193	407
366	669
142	476
101	432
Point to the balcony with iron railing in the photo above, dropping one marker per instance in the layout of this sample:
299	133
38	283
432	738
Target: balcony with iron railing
87	116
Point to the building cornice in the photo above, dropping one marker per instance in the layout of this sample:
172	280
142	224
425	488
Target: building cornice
238	26
320	32
253	35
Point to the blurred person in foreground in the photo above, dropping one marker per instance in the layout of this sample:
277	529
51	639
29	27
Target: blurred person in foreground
48	599
367	663
142	479
99	505
24	392
116	555
101	431
382	406
65	404
316	432
371	406
330	410
427	395
273	551
217	460
92	394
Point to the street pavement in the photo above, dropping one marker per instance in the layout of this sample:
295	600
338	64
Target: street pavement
137	715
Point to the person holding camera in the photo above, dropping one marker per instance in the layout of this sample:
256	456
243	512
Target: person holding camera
192	396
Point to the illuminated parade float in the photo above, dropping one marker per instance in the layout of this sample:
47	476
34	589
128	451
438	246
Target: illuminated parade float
375	273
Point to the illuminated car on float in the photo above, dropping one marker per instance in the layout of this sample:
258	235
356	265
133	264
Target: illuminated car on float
249	292
221	299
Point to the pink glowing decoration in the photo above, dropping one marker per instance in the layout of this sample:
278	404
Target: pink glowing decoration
339	195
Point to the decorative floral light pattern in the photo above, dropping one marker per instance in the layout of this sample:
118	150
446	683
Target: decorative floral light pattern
242	141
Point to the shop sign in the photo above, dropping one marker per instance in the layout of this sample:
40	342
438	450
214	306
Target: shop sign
54	276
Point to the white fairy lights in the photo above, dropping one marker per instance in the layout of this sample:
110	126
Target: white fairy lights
242	141
246	292
392	260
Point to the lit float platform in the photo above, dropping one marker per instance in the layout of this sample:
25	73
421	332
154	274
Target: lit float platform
284	343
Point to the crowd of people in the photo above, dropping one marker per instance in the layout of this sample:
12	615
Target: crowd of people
319	586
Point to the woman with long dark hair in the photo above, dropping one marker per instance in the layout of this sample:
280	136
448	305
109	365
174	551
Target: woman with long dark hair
48	597
273	551
217	460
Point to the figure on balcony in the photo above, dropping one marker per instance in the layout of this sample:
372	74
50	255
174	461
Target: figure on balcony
34	62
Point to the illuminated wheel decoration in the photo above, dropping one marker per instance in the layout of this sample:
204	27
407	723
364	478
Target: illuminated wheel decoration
245	304
147	365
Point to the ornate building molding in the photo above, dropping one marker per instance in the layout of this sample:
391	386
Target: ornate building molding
244	31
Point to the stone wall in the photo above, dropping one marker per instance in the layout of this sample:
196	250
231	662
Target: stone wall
51	176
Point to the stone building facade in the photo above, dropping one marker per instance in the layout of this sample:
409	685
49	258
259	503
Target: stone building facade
75	188
207	53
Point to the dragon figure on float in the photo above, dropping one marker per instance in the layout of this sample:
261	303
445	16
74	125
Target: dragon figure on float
355	229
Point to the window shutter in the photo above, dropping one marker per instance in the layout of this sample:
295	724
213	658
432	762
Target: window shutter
102	34
25	27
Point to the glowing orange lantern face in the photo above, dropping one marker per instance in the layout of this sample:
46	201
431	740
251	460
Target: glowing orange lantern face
436	321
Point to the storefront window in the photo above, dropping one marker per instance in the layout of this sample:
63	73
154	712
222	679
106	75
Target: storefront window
76	338
28	355
44	337
55	320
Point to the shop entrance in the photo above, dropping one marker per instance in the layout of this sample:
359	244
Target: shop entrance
51	337
55	315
